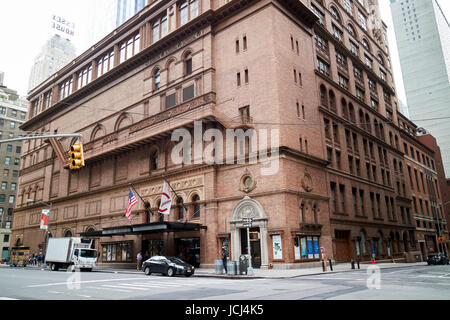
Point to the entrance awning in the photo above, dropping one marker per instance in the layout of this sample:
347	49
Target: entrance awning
154	227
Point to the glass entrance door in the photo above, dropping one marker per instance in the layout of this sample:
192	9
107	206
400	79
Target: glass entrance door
255	246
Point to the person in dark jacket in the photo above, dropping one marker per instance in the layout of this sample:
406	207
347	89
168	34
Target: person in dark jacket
225	256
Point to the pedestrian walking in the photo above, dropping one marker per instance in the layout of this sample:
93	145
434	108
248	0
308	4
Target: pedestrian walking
139	260
225	256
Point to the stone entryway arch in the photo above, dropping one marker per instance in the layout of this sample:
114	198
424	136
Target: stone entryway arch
249	208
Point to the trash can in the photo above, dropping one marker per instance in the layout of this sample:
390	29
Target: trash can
231	268
243	264
218	266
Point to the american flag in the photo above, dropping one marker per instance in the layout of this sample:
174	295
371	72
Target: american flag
131	202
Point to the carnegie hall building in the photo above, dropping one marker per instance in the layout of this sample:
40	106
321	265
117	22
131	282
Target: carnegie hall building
315	76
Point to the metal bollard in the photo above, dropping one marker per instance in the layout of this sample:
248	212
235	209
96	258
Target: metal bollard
331	265
353	264
323	265
358	265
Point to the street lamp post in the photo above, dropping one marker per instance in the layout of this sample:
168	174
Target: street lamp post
49	205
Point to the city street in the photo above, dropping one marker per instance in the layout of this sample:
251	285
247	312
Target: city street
410	283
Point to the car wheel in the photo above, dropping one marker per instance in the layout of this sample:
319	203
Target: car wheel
170	272
147	271
53	267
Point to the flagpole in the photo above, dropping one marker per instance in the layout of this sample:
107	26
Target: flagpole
132	187
184	206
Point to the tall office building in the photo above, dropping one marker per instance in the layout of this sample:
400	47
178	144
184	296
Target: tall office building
127	8
13	111
423	39
55	54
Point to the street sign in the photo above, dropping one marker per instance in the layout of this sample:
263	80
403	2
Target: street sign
247	225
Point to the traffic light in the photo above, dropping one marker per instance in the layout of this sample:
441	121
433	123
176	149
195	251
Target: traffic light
76	156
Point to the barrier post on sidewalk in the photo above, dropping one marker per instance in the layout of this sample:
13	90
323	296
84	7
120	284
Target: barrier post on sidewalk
331	265
353	264
358	265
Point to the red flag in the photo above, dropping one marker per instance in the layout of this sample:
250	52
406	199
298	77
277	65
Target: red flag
45	215
131	202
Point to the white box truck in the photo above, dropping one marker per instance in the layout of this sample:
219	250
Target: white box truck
67	252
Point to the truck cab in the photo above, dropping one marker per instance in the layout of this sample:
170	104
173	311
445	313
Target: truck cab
84	258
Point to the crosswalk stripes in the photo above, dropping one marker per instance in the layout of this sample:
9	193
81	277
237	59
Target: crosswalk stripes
149	285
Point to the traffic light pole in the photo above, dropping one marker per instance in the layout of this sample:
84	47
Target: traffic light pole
62	135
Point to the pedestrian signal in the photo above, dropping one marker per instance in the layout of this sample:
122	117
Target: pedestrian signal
254	236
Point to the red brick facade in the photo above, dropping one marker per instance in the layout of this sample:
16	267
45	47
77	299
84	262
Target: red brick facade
250	64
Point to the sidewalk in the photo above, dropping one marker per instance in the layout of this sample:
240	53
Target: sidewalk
261	273
276	273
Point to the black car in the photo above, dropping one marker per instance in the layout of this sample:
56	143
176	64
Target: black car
168	266
437	258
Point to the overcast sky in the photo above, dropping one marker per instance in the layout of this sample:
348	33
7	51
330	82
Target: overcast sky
26	26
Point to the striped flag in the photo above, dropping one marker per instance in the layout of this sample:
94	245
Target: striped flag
166	201
131	202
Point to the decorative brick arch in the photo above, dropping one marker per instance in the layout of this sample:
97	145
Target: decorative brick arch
249	208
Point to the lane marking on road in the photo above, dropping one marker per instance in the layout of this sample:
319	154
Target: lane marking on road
79	282
6	298
123	287
55	292
84	296
153	285
109	289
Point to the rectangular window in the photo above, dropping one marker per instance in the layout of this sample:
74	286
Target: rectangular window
187	10
188	93
66	88
362	20
171	100
323	67
244	43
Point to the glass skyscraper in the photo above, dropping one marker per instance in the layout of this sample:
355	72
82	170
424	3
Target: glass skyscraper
127	8
423	39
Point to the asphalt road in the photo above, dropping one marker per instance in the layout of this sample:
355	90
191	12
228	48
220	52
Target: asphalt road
410	283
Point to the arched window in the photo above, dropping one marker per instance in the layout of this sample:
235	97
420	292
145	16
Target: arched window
187	61
368	125
157	79
302	212
351	111
332	101
380	59
67	234
323	95
195	206
180	208
361	119
334	12
344	109
154	160
351	30
365	44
